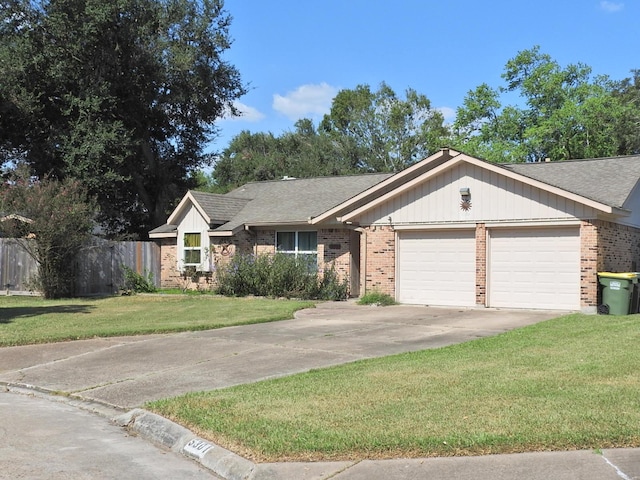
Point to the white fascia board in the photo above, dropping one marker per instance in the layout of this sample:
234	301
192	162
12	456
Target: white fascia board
224	233
398	191
164	235
394	178
488	166
541	185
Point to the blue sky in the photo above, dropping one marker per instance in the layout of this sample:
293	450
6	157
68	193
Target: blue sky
297	54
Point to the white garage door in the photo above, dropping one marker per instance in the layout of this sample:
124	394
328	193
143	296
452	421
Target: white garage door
437	267
534	268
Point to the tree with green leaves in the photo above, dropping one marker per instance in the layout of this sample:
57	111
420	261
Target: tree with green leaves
627	132
563	113
263	156
381	132
365	131
120	95
51	220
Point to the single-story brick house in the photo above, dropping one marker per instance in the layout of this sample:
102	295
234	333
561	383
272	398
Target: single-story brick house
450	230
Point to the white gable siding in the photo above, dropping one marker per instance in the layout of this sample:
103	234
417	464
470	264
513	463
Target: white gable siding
494	197
193	222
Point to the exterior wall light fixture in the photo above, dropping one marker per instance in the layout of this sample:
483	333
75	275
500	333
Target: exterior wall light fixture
465	204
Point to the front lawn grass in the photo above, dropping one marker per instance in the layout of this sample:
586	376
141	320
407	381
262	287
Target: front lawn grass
27	320
568	383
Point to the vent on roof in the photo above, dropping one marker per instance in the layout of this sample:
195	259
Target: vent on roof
287	177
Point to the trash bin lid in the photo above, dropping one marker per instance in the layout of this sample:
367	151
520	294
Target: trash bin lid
625	275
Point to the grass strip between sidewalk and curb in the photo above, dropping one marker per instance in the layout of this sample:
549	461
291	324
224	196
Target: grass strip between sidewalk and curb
29	320
564	384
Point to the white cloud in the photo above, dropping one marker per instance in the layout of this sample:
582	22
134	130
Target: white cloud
248	114
448	113
306	100
611	6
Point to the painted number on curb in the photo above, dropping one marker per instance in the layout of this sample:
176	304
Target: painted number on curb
197	447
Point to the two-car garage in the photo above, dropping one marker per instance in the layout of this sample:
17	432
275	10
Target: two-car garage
524	267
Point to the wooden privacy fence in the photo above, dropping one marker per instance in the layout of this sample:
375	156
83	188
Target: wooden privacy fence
99	266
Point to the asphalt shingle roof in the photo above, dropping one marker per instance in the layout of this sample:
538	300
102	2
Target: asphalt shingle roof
220	208
609	181
295	200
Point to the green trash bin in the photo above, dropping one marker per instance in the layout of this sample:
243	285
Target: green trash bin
617	291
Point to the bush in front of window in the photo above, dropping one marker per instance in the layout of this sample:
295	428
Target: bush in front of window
279	275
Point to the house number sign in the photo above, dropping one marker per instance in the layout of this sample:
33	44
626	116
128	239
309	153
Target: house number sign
197	448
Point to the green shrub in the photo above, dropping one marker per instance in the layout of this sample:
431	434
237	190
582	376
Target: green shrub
137	283
377	298
278	275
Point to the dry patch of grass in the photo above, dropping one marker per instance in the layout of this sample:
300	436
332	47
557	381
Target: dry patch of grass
27	320
568	383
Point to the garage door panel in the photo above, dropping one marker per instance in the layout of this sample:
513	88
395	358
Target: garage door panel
534	268
436	268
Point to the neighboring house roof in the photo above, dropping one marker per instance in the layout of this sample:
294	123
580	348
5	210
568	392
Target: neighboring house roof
606	180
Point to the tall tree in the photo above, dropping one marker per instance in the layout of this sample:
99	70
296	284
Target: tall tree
563	113
121	95
628	129
382	132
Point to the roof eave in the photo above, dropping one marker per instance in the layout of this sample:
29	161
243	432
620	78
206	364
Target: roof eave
397	178
164	235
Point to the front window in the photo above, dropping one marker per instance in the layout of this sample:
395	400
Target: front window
192	249
299	244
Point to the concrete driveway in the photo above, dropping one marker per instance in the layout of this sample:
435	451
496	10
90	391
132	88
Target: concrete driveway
128	371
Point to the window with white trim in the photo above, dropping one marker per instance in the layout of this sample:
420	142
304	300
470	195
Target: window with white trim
192	248
299	244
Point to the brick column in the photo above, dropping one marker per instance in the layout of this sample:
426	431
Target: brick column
588	265
481	264
381	260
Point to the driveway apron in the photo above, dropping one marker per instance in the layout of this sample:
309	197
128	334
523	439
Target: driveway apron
128	371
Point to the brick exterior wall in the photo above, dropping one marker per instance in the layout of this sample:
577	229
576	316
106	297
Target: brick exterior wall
617	249
169	275
380	259
481	264
604	246
334	249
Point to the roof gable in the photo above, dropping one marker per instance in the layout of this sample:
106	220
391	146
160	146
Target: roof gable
215	208
574	182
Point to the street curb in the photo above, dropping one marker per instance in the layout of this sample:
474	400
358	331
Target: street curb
178	439
101	408
155	429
